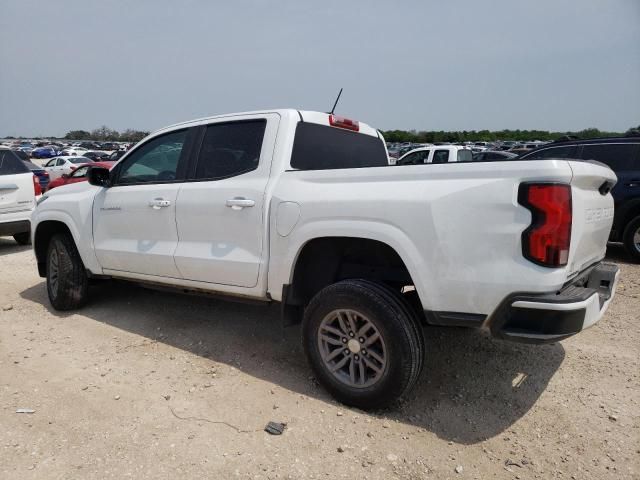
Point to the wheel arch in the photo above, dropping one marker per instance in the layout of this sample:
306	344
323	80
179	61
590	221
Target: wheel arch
45	230
323	260
627	213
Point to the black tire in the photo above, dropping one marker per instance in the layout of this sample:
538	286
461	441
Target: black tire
23	238
630	245
67	282
397	326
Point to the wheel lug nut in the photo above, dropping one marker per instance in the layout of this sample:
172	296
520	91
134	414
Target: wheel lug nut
344	340
361	340
351	334
363	352
346	351
357	358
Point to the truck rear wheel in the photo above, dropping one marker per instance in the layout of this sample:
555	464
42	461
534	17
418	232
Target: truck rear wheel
363	342
67	282
631	239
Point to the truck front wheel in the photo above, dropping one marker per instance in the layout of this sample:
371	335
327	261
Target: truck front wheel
67	282
363	342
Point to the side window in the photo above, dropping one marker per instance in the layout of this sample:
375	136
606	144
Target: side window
154	161
11	164
415	158
51	163
465	156
80	172
554	152
60	162
423	156
230	149
440	156
621	156
411	159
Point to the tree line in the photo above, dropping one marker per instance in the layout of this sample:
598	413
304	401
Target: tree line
489	136
105	133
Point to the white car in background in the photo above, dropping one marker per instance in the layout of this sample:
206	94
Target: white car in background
18	190
64	165
74	151
436	154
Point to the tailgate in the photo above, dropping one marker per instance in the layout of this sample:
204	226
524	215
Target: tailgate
592	213
16	192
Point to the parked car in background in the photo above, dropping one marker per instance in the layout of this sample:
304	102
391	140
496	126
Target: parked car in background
96	156
436	154
622	155
519	150
44	152
116	155
73	151
58	166
78	175
492	155
18	190
40	173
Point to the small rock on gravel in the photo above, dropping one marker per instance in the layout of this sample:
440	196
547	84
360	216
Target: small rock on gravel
459	469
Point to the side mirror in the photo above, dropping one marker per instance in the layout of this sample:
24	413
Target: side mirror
99	176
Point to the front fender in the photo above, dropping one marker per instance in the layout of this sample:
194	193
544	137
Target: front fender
80	228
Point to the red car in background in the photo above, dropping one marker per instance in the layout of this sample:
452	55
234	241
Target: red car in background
78	175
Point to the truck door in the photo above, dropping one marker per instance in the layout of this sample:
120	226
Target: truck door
134	221
221	213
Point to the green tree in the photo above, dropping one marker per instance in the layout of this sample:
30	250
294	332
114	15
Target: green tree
78	135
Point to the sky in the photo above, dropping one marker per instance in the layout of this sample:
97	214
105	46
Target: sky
427	65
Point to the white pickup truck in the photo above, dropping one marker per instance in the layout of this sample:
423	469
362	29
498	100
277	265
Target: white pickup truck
302	208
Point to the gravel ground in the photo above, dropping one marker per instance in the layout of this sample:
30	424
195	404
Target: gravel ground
144	384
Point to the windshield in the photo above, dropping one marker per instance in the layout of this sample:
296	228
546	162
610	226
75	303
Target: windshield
80	160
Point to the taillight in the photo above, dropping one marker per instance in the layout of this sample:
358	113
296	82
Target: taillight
346	123
36	186
546	241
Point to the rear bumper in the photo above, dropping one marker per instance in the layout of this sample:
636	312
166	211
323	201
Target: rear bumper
15	222
550	317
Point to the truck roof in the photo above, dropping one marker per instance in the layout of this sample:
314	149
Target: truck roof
321	118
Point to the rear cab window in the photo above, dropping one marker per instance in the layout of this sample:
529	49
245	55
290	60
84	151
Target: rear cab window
321	147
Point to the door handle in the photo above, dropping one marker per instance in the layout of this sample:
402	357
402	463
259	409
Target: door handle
158	203
9	186
238	203
633	183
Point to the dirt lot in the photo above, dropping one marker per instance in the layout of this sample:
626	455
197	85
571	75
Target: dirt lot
139	383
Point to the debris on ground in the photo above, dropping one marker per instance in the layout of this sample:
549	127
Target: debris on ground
275	428
25	410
